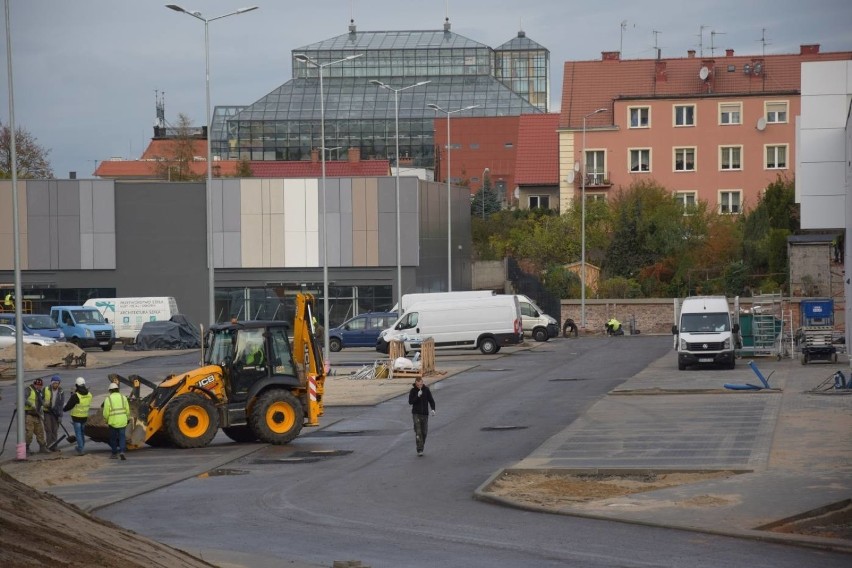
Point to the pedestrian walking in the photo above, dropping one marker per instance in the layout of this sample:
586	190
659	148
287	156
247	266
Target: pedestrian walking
420	399
34	403
117	415
78	405
53	410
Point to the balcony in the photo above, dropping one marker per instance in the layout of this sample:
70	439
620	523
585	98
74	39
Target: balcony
596	180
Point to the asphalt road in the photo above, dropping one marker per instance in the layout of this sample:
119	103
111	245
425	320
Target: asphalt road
356	489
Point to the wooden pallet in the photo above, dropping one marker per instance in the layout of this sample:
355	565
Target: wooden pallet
427	360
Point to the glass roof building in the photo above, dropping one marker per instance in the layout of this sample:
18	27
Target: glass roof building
285	124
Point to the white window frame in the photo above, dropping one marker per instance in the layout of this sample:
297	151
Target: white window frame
538	199
639	110
725	196
630	160
683	197
675	116
722	150
774	166
598	173
677	149
595	197
771	113
727	108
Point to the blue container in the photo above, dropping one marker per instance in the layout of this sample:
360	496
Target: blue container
817	312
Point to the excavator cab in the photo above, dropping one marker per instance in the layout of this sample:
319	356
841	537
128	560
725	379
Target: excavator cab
255	384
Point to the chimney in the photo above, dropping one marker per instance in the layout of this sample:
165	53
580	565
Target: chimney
660	71
690	53
354	155
610	55
314	156
72	175
729	53
809	49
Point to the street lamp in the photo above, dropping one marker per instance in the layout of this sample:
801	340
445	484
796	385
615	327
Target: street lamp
485	173
320	66
396	122
583	223
211	280
449	196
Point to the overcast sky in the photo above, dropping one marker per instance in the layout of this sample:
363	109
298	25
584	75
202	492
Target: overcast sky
85	71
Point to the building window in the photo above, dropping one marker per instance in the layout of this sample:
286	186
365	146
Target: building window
539	202
730	157
776	157
776	112
729	202
595	197
730	113
640	117
595	167
684	159
687	200
640	160
684	115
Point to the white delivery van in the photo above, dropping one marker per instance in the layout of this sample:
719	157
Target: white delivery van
416	298
486	324
537	324
705	334
128	314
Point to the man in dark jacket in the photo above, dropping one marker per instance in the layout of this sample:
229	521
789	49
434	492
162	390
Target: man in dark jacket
53	410
420	399
78	403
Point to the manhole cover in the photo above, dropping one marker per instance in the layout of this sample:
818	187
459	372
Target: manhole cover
220	471
334	433
558	380
499	428
304	457
498	370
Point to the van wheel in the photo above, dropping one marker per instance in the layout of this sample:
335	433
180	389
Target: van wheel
732	364
106	347
335	344
540	334
681	366
488	346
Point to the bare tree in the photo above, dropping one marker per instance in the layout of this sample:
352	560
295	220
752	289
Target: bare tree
31	157
179	153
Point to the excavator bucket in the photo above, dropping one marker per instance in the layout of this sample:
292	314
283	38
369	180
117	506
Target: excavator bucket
136	433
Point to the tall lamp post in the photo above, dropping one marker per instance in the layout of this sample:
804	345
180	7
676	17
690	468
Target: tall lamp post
320	67
211	280
396	136
449	194
583	223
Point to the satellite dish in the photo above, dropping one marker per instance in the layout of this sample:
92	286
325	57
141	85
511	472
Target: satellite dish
517	193
761	124
570	178
704	73
576	166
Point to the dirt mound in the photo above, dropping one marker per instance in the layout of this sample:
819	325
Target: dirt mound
37	529
44	357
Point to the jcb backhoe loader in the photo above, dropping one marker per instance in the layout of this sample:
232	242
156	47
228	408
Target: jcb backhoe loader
253	384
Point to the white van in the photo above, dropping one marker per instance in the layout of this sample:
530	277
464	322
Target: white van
418	297
705	333
486	324
128	314
537	324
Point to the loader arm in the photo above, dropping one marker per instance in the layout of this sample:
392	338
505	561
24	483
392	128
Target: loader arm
307	355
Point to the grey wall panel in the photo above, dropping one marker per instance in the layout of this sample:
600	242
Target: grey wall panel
230	206
334	189
68	197
336	240
104	251
231	244
345	195
87	225
386	196
40	246
103	206
410	229
69	248
387	238
345	224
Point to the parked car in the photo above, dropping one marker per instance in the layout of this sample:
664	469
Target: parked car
36	324
7	337
360	331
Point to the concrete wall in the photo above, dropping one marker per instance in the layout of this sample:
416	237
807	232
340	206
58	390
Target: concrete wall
488	275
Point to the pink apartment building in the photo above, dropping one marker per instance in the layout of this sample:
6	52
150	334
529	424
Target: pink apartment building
713	129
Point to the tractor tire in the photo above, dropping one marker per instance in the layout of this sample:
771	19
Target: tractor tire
191	421
540	334
335	344
240	434
277	417
488	346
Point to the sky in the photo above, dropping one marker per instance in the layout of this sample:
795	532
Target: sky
85	72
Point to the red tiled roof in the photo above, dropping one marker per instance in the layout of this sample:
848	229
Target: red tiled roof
537	160
165	149
305	169
589	85
147	169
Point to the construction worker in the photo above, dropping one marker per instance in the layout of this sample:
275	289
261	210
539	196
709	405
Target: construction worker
53	410
34	410
9	302
613	327
78	403
117	415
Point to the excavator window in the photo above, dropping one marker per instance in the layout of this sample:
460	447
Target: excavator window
282	361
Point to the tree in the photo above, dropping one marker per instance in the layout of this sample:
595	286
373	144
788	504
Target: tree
31	157
176	162
244	169
484	202
766	228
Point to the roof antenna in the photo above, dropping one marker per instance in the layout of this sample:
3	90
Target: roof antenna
764	41
713	34
701	39
656	47
352	29
621	39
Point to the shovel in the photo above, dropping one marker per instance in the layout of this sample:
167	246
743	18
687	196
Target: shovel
52	446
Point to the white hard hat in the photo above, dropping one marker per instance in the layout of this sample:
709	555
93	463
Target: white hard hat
80	382
113	386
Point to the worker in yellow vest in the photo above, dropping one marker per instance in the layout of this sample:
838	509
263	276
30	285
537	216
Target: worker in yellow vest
78	405
117	415
34	404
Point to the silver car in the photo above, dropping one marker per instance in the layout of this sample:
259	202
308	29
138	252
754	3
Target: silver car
7	337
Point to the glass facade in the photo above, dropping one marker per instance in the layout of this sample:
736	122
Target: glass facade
286	123
523	65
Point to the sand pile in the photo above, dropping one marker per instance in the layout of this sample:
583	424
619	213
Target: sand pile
45	357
